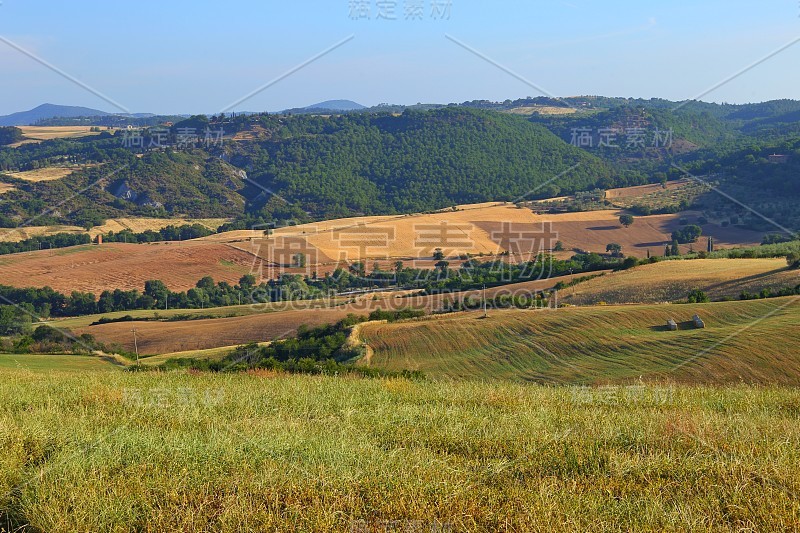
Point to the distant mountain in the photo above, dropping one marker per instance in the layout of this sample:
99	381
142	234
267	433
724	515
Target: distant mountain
338	106
45	111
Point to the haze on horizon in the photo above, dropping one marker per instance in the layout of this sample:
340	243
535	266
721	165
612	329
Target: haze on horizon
206	56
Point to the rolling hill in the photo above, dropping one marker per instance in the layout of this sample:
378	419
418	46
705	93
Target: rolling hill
301	168
600	345
670	281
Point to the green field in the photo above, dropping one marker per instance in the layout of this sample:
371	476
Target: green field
161	314
54	363
178	452
212	354
752	341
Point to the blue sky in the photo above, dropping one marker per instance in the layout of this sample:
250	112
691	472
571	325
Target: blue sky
189	57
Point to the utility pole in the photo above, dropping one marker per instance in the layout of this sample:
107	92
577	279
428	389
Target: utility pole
135	346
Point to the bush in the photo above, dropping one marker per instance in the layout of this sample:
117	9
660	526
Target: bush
697	296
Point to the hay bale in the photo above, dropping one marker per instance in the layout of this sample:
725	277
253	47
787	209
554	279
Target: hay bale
698	322
672	325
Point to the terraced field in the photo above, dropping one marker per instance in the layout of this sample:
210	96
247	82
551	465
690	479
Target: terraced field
753	342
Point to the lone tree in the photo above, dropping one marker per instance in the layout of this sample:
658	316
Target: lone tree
687	235
615	249
438	254
626	220
697	296
675	250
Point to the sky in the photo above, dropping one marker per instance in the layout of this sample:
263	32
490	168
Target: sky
187	57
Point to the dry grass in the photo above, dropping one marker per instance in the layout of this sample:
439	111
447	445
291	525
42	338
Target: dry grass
669	281
5	187
181	452
755	342
644	190
45	174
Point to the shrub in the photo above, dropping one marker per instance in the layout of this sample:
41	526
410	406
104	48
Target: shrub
697	296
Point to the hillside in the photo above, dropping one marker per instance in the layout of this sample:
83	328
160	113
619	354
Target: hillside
313	167
601	344
420	161
670	281
297	168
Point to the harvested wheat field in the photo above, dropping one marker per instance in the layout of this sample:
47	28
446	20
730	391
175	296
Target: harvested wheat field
473	229
111	266
45	133
5	187
136	225
669	281
481	229
600	345
139	225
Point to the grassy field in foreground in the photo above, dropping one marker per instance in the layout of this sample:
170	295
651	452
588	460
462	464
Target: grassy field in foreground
753	341
180	452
